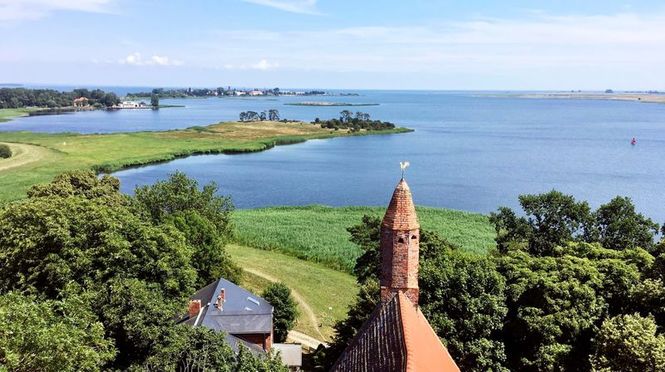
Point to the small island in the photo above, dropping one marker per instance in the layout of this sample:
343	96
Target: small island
329	104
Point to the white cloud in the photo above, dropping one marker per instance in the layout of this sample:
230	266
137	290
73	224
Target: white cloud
293	6
19	10
262	65
136	59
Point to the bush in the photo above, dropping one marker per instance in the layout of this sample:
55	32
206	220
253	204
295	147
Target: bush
5	151
285	313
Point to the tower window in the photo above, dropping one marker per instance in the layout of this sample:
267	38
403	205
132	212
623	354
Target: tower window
400	240
413	237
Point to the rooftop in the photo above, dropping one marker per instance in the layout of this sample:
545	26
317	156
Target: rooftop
396	337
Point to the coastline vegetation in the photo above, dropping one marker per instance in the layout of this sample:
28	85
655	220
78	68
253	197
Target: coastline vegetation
318	233
6	114
111	152
51	98
354	122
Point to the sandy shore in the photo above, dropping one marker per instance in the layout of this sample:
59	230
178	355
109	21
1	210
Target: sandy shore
638	97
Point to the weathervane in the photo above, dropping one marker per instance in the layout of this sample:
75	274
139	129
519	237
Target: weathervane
403	165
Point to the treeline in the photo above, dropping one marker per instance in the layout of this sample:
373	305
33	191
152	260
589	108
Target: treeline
50	98
92	279
272	115
354	122
567	289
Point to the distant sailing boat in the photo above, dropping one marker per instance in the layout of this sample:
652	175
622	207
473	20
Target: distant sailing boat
633	141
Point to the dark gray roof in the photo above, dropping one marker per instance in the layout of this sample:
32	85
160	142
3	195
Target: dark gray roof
242	313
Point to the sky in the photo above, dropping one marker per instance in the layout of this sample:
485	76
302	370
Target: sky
343	44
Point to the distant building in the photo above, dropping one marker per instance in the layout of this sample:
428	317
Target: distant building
255	93
397	337
131	105
80	102
245	319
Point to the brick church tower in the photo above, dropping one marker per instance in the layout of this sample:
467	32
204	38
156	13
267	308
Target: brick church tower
400	246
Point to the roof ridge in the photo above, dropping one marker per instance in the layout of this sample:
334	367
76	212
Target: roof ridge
414	348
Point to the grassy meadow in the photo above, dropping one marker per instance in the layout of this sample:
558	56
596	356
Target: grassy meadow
110	152
8	114
327	293
318	233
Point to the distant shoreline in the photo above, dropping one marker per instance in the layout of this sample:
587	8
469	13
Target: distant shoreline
633	97
330	104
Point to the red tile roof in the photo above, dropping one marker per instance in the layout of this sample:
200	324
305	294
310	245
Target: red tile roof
396	337
424	350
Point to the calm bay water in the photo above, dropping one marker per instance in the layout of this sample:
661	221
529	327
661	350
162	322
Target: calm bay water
468	152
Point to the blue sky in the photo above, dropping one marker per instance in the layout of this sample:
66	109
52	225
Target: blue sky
381	44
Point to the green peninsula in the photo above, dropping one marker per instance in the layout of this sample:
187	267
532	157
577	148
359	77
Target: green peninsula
41	156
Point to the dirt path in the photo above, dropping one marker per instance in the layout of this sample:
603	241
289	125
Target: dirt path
304	306
23	154
303	339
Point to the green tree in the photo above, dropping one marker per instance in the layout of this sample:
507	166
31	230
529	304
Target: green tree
48	335
555	219
5	151
618	226
209	256
110	99
203	217
49	242
462	296
182	194
629	343
273	115
81	183
154	101
553	306
285	309
345	116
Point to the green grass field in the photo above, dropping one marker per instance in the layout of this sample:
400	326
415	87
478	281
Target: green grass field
109	152
318	233
327	292
8	114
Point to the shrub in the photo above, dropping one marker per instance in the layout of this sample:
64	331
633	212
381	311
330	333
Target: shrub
5	151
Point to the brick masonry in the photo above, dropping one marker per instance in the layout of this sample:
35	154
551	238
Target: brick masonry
400	246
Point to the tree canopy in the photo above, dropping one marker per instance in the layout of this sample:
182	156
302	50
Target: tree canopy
104	275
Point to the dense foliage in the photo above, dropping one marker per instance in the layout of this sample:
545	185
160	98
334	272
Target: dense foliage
22	97
568	289
113	271
361	121
5	151
50	335
285	311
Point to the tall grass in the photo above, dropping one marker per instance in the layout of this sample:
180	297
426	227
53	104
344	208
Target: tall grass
318	233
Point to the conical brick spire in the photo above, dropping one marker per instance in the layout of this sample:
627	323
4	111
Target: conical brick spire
401	213
400	246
